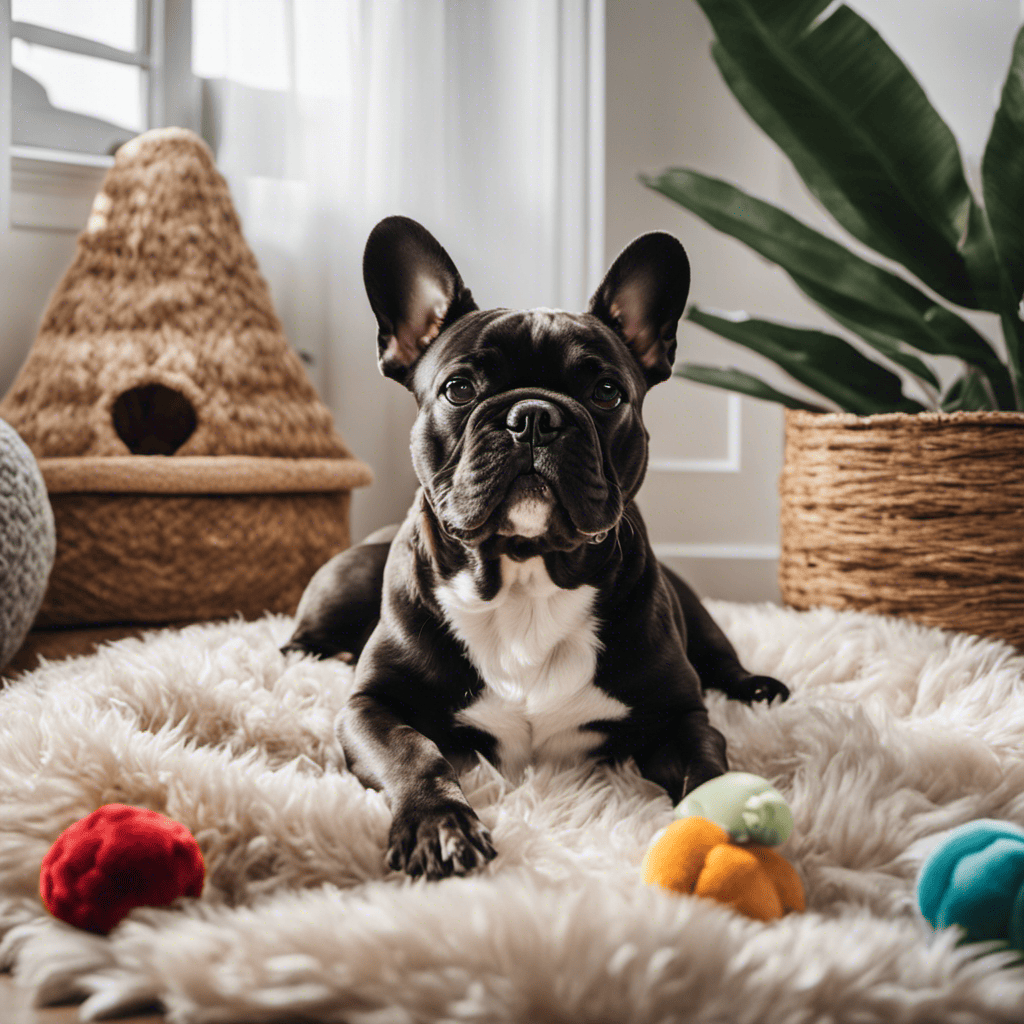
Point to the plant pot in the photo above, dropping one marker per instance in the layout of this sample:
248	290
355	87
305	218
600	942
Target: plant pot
917	515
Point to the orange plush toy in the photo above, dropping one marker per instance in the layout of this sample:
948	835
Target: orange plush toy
694	855
729	859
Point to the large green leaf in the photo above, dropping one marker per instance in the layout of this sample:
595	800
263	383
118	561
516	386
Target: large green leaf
1013	332
914	320
801	156
1002	172
928	327
969	392
869	300
745	383
821	361
864	321
862	133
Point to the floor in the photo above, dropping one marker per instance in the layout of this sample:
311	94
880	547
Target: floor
16	1008
56	643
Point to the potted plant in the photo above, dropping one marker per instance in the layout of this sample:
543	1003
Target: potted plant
911	499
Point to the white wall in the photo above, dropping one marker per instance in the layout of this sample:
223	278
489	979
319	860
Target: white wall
32	262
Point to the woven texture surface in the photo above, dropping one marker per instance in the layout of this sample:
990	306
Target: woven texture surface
164	290
168	558
26	541
201	474
917	515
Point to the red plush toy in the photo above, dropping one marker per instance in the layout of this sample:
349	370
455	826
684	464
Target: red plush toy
116	859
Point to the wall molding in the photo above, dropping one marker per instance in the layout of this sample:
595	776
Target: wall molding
732	461
595	155
579	261
766	552
53	190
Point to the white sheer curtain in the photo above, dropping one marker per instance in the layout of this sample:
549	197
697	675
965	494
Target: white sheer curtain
481	120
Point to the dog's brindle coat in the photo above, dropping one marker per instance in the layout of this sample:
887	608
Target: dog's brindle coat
518	612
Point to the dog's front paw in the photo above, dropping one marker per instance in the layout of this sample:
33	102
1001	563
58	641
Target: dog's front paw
759	688
440	841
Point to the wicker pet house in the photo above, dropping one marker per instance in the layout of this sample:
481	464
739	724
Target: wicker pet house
193	471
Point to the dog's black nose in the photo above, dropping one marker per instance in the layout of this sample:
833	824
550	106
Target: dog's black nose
534	421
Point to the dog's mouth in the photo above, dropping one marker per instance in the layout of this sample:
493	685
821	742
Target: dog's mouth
529	487
527	508
534	509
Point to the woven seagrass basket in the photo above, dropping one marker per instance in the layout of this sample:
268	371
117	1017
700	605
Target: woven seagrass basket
916	515
193	471
146	539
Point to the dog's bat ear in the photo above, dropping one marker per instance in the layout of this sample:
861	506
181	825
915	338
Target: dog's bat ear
415	291
642	298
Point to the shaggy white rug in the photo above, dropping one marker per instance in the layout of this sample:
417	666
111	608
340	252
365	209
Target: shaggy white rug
894	734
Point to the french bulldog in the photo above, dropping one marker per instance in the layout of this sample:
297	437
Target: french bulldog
518	612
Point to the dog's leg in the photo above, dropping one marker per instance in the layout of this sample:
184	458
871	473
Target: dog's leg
341	603
434	831
690	755
713	656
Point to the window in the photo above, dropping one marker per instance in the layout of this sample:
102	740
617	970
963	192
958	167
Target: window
87	76
79	74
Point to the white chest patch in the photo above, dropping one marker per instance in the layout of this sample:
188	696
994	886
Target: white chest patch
535	646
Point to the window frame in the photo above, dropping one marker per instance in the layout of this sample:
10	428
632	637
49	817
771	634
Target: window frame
140	56
53	189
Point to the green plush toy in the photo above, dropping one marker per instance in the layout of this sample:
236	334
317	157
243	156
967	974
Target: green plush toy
748	807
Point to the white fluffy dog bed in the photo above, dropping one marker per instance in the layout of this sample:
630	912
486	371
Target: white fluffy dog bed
894	734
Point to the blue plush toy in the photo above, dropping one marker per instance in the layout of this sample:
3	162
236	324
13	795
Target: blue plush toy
975	879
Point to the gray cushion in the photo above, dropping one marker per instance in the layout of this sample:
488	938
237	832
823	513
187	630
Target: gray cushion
27	541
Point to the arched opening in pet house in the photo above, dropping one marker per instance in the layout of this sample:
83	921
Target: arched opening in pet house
153	419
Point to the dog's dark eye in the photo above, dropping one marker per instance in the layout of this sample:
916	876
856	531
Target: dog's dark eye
460	391
606	395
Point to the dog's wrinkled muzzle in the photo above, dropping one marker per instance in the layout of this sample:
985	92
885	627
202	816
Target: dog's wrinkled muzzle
530	462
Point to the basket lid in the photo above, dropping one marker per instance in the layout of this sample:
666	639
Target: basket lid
201	474
161	338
